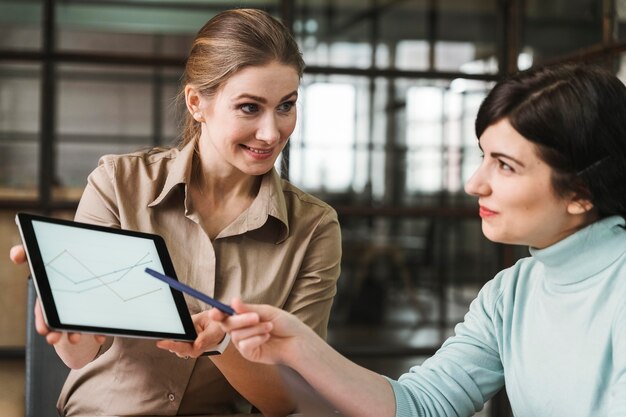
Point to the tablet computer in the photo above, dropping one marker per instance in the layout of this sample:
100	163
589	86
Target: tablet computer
91	279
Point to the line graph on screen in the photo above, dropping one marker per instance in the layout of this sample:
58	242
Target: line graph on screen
69	274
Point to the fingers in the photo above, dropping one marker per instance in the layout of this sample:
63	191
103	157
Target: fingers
203	342
249	348
201	321
210	333
174	346
208	338
40	324
266	312
251	332
183	350
240	306
240	321
52	338
216	315
17	254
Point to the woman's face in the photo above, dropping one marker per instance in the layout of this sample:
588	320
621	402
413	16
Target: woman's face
517	202
247	122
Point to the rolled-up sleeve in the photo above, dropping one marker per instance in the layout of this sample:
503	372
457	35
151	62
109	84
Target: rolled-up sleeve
617	402
315	286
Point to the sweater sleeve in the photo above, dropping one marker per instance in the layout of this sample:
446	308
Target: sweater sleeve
465	372
617	402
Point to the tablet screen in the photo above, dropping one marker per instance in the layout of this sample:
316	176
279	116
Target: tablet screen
92	278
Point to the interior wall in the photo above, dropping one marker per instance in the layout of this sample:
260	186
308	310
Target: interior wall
12	319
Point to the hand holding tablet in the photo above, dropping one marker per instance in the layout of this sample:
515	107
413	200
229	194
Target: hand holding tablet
90	279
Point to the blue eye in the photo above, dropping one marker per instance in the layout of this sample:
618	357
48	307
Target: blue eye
249	108
286	106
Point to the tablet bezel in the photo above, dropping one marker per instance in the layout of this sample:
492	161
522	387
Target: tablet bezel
44	292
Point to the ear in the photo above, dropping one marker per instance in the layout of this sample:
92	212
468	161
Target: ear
192	100
579	205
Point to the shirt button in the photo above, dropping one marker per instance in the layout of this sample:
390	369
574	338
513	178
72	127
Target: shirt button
171	397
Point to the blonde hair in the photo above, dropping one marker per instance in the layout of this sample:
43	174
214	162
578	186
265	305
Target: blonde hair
229	42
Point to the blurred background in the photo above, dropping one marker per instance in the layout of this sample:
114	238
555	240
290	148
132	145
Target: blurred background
385	135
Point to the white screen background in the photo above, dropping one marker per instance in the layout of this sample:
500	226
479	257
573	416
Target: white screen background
98	279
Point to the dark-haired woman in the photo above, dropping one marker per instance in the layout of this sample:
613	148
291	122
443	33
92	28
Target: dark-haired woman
232	225
552	328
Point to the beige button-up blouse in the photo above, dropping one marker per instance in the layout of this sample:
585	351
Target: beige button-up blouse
284	250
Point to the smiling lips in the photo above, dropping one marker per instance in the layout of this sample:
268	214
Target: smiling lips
484	212
258	153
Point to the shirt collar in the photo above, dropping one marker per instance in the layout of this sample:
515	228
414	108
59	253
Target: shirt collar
179	171
269	202
585	253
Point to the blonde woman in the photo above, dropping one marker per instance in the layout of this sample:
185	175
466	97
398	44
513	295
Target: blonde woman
232	226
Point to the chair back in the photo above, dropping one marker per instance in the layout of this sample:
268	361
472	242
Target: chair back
45	372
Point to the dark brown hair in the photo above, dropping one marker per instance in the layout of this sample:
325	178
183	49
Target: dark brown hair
576	116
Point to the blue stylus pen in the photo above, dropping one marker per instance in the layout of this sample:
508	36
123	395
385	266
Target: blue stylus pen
191	291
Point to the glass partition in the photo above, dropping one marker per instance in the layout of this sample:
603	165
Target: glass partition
558	28
356	137
19	130
109	110
138	27
20	25
407	35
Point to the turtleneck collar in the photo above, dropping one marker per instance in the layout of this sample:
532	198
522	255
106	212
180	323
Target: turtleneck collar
585	253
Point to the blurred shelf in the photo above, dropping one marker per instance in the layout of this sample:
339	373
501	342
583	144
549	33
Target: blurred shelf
28	194
26	198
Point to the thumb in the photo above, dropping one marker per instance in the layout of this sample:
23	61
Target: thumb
264	311
240	306
17	254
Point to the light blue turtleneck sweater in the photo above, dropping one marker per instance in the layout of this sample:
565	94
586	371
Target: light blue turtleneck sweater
552	328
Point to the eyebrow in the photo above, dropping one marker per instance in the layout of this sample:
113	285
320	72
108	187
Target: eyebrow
502	155
262	99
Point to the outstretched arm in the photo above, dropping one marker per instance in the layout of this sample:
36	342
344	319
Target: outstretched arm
269	335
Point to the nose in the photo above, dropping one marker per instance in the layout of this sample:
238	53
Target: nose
268	130
478	184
